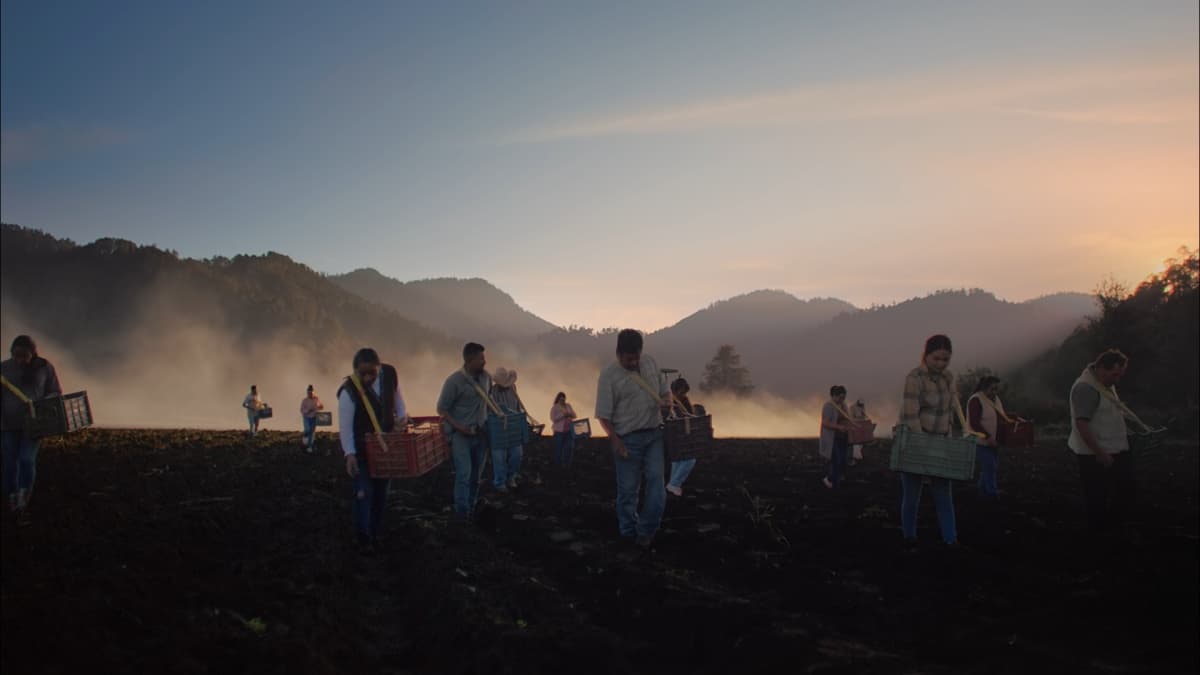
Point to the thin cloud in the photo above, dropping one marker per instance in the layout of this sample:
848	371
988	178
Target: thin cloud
930	94
41	142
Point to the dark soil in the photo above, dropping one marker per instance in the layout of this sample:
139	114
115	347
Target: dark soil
200	552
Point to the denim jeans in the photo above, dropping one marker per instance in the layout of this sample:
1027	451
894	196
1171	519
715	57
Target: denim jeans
1107	492
988	459
310	431
644	464
680	471
837	460
564	446
20	461
910	504
506	464
369	501
252	418
468	453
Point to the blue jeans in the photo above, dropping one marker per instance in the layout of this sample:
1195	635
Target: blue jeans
680	471
506	464
20	461
468	453
837	460
369	501
988	459
645	461
310	431
252	418
564	447
911	502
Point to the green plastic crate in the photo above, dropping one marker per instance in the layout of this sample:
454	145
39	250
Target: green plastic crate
932	454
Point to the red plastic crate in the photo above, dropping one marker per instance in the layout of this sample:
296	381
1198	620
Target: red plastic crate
410	453
1018	435
861	432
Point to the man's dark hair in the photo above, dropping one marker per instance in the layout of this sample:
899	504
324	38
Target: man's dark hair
837	390
1111	358
986	381
679	386
254	387
23	341
629	341
936	342
471	350
365	355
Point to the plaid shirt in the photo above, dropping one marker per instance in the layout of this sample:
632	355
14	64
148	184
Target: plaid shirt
928	401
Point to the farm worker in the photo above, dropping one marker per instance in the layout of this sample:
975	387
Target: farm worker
683	468
1100	442
309	408
630	399
252	403
463	407
35	379
381	386
506	462
835	430
929	399
562	416
858	413
984	411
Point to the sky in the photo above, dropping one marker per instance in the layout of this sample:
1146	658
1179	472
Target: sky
618	163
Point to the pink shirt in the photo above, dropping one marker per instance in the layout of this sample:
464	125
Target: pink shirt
310	406
562	418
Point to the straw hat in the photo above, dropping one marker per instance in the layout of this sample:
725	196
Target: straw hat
504	377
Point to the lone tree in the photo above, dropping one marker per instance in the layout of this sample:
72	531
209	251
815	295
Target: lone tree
724	373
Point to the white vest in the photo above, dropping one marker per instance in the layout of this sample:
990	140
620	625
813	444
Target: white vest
1107	424
988	419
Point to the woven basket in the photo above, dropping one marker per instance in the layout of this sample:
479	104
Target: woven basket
932	454
687	437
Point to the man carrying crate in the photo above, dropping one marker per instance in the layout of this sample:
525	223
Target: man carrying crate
27	378
630	399
463	406
377	385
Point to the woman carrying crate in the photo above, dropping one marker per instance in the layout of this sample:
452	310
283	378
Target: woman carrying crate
376	385
929	400
835	436
309	407
506	462
984	413
27	377
681	469
562	416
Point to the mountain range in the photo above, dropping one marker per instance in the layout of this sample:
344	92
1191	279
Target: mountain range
115	302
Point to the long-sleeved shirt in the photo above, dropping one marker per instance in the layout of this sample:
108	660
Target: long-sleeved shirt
310	405
37	382
562	417
346	413
625	403
507	399
928	401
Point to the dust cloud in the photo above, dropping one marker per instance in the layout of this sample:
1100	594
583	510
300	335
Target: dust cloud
179	373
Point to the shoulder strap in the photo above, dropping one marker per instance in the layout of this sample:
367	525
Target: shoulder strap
483	394
1111	395
366	403
641	382
20	395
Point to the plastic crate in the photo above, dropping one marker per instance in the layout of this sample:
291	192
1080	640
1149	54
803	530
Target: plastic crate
409	453
687	437
861	433
323	419
265	412
932	454
1015	435
508	431
59	415
581	428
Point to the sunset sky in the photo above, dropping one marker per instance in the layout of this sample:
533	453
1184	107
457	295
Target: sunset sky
619	163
